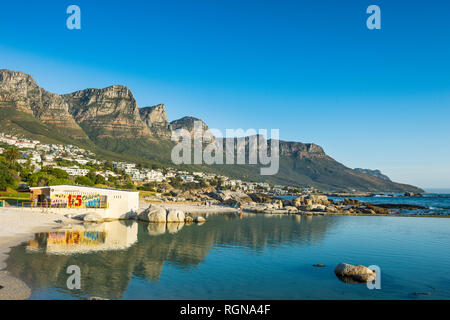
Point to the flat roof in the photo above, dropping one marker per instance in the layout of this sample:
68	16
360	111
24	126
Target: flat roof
78	186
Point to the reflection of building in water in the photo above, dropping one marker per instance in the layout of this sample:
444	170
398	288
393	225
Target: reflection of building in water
87	238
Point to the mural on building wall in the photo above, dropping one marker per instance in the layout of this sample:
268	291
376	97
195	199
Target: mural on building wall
77	200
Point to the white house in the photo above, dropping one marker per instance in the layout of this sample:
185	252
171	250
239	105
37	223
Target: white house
78	200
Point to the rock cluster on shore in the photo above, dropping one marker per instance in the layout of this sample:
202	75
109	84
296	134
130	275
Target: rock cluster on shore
311	204
157	214
308	204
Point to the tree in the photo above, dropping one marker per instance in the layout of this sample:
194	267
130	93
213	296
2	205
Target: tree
129	185
84	181
59	182
39	179
11	155
57	173
6	177
99	179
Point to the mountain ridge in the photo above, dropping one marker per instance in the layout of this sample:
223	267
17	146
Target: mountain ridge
111	120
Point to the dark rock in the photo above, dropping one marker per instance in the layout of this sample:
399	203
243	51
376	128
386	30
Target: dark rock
412	194
401	206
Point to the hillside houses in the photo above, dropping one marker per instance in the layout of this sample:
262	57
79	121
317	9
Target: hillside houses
78	162
18	143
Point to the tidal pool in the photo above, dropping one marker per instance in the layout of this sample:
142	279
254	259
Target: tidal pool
240	257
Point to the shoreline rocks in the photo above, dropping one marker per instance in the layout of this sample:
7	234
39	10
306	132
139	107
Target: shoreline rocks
157	214
175	215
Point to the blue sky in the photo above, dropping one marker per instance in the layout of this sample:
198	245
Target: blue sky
372	98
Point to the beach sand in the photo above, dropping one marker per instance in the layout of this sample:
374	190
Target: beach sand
16	227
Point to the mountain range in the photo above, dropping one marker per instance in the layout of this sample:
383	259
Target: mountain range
110	123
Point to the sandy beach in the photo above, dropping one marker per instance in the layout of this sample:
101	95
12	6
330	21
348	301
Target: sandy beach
16	227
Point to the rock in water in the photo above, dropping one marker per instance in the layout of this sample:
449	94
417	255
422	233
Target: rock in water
354	274
175	216
200	219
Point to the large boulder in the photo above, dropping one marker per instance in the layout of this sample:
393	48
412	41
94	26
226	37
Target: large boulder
319	199
309	200
153	214
350	273
175	215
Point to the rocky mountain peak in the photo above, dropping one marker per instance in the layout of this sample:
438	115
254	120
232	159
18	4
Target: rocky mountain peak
155	118
16	78
301	150
18	90
108	112
188	123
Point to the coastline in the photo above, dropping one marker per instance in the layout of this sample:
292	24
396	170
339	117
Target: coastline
16	227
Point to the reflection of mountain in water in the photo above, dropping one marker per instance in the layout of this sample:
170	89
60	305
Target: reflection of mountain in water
109	255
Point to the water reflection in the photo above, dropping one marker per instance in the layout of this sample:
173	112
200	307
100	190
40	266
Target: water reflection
86	238
111	254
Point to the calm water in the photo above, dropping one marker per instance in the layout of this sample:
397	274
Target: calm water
232	257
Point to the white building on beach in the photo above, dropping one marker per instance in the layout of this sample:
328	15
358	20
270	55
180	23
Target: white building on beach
107	203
